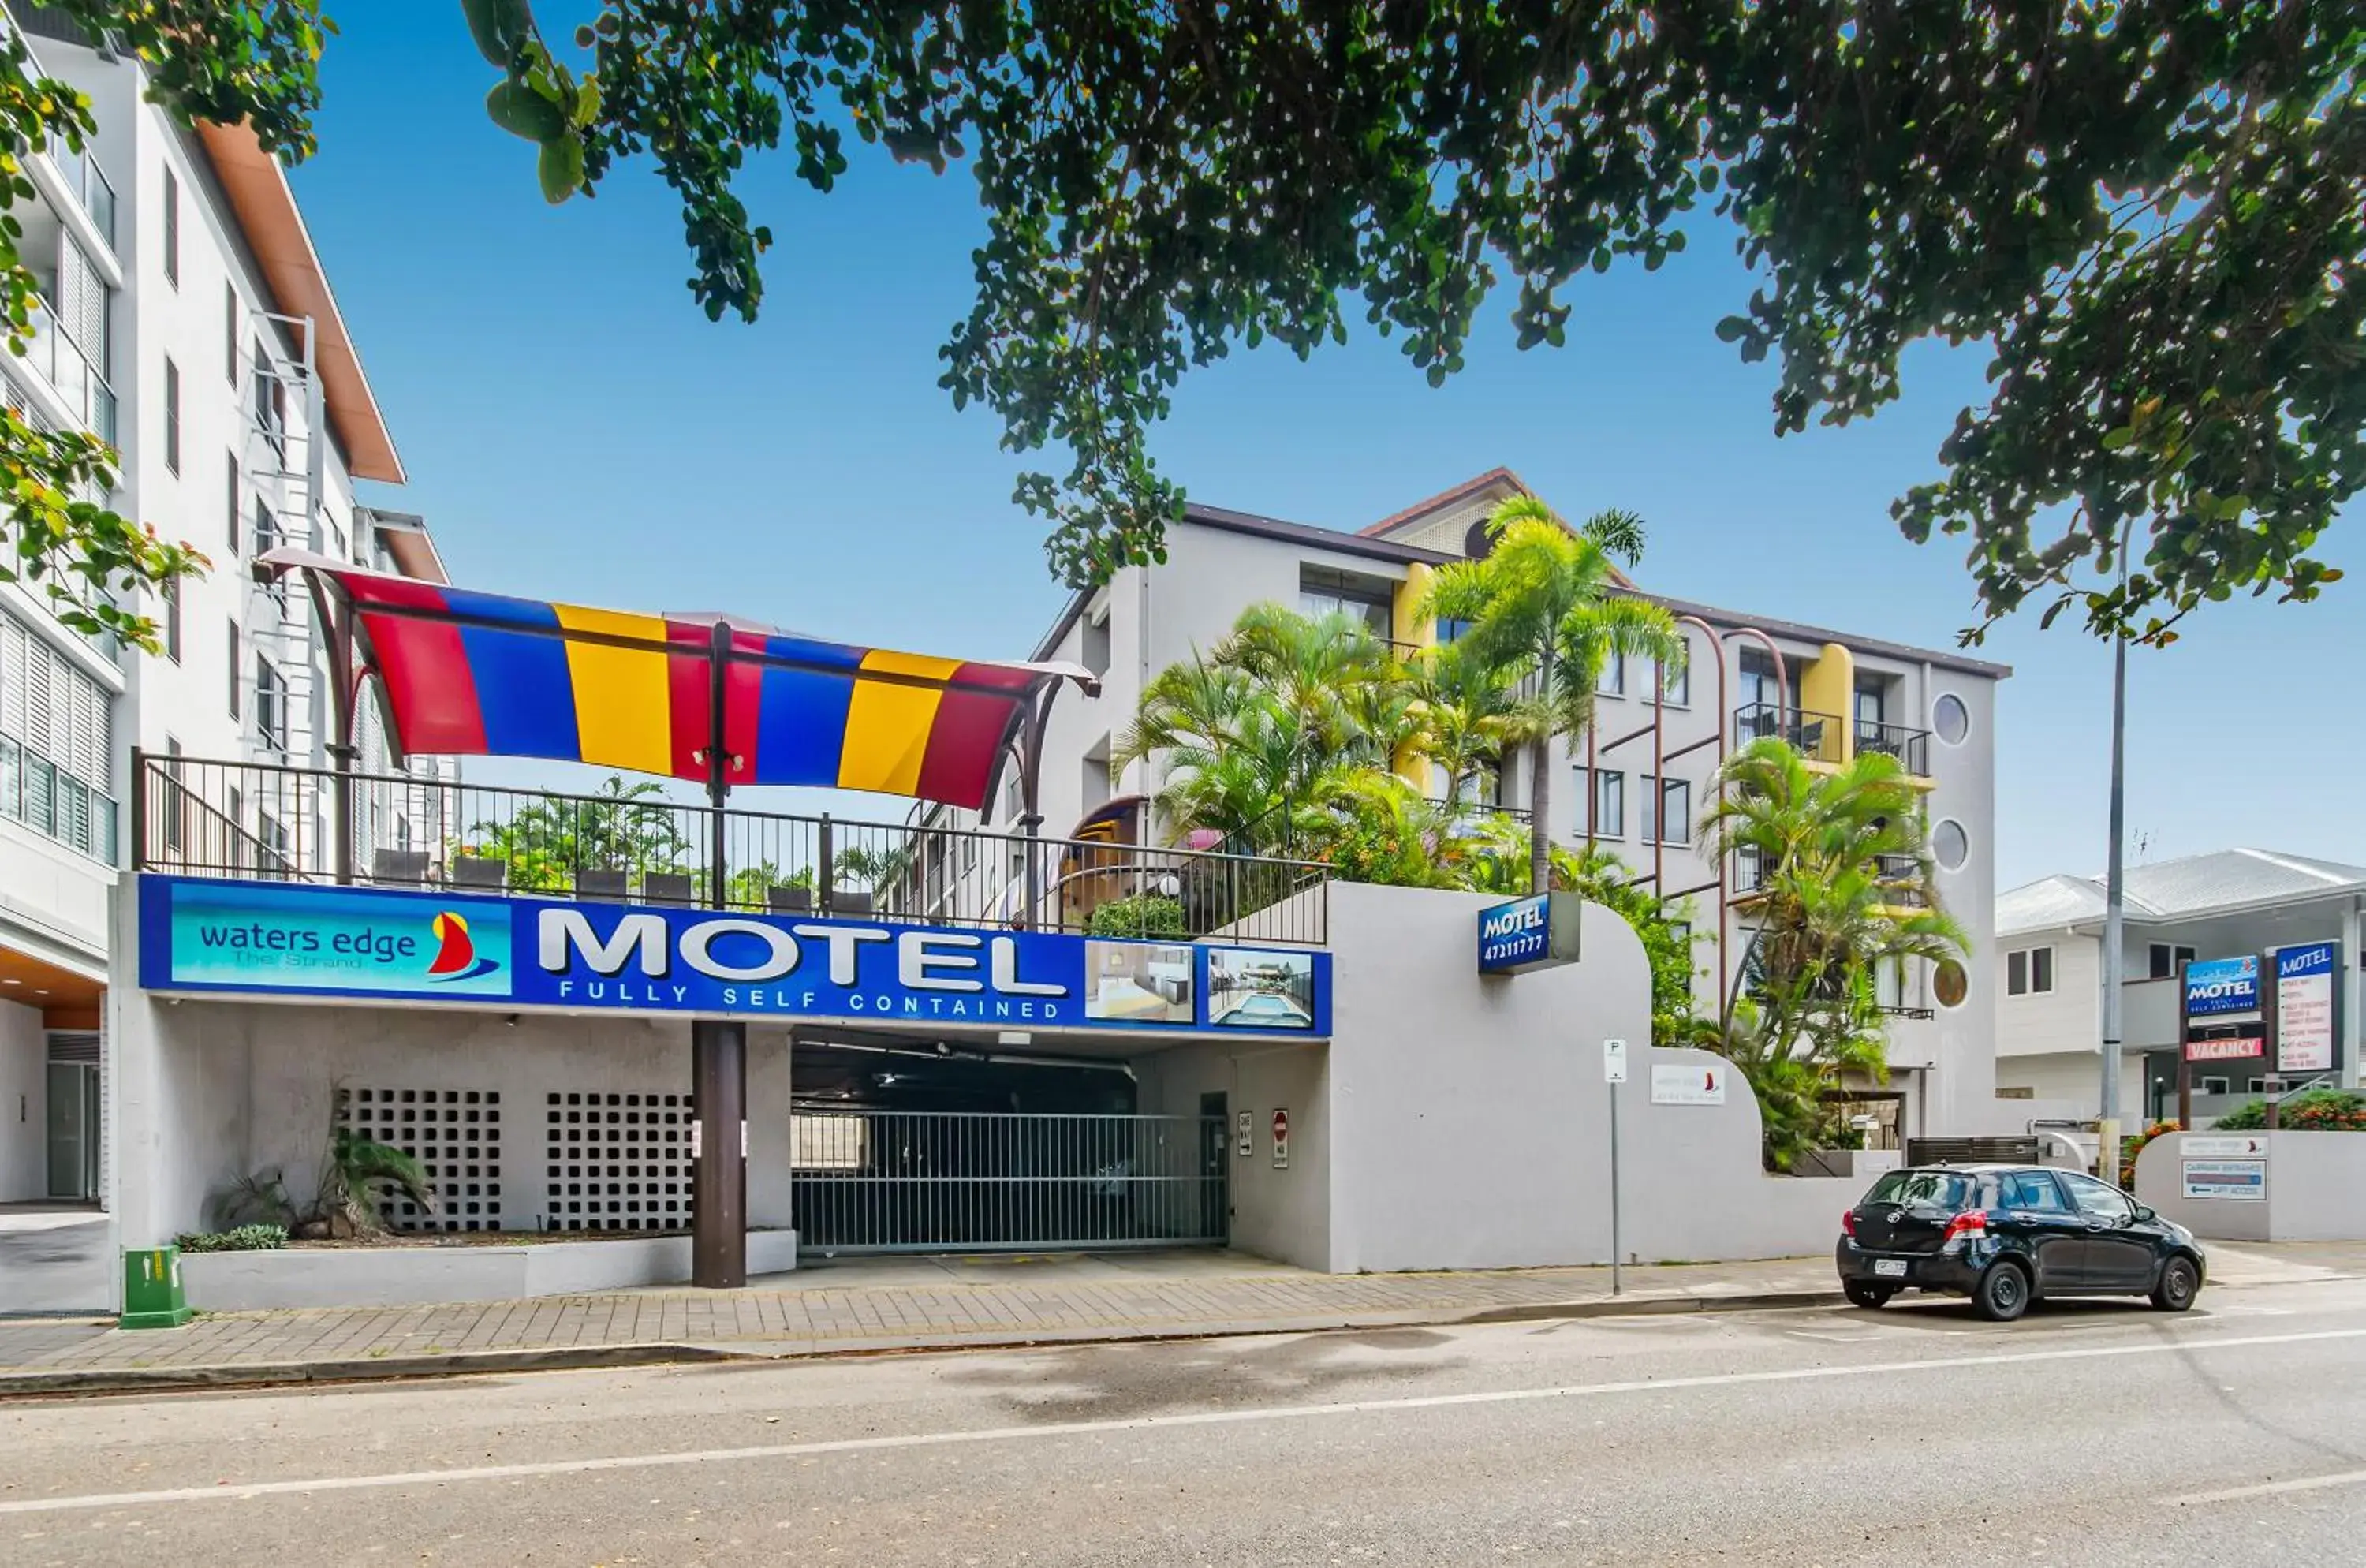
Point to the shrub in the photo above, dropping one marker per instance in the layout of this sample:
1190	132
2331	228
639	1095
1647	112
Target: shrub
2131	1146
244	1238
1145	914
2318	1110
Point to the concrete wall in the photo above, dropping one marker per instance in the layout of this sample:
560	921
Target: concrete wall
2068	1018
1469	1123
1286	1213
2071	1079
23	1123
2317	1189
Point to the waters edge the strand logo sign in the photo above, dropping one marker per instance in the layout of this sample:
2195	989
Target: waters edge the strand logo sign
334	939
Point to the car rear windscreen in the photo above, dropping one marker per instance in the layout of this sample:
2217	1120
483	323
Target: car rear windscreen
1921	1189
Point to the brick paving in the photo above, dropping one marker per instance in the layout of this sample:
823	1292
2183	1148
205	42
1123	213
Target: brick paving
915	1303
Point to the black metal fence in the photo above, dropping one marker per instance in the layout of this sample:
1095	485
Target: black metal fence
201	818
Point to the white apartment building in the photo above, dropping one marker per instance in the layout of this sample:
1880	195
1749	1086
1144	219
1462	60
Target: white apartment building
2048	973
187	319
1637	785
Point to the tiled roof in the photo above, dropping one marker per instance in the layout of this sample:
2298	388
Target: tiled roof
2184	888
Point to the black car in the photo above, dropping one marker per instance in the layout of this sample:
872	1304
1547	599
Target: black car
2007	1236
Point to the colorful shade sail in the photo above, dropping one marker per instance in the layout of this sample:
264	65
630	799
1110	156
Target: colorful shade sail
482	674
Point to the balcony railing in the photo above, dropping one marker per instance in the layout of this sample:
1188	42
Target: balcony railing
1902	881
199	818
78	383
1816	736
1911	747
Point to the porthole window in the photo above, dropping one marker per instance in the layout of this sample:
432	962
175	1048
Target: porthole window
1949	983
1950	845
1951	718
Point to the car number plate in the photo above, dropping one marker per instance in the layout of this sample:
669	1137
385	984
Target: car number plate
1895	1266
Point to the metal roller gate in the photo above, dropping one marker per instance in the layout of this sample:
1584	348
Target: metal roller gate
951	1181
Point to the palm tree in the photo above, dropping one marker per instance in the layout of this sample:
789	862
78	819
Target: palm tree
1250	735
1461	715
1844	886
1543	603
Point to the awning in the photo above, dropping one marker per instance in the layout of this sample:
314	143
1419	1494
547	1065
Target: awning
484	675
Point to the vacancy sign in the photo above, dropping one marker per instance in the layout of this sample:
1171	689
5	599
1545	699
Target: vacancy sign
2305	1007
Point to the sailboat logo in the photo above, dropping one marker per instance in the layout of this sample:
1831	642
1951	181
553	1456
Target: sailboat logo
456	954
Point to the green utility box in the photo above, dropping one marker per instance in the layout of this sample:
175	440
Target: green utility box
151	1290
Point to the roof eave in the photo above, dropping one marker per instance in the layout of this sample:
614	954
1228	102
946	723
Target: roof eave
266	212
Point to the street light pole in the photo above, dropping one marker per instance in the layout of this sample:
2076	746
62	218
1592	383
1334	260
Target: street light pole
2107	1125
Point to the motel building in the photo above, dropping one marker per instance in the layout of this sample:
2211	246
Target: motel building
686	1038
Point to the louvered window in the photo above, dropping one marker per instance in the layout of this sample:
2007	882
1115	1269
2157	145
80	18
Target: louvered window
55	744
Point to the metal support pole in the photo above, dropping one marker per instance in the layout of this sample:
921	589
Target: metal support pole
718	1055
2115	897
719	761
1617	1252
1030	819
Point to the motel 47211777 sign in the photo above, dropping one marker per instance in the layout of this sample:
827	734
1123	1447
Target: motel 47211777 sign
1534	932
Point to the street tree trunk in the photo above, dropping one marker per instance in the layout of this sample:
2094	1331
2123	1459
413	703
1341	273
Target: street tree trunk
1540	814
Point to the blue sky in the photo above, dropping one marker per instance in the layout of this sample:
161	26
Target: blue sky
575	428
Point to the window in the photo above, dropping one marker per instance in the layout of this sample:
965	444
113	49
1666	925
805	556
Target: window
1944	1189
230	469
1951	718
2165	958
1326	590
172	229
271	706
230	324
1676	681
237	669
2029	971
1675	809
270	401
1950	845
2031	1191
1949	984
2096	1201
1453	631
2211	1086
1607	803
56	745
1614	676
1758	685
172	416
173	619
1872	706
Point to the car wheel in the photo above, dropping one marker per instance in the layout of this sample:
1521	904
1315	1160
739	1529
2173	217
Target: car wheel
1866	1294
2002	1294
2181	1282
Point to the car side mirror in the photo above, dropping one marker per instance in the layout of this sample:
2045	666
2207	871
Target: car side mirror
2144	1214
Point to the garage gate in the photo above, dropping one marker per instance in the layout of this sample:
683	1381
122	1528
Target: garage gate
869	1180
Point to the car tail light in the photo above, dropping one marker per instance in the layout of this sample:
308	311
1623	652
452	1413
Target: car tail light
1969	1227
1848	1223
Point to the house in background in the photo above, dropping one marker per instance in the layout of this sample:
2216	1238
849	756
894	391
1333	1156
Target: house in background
1636	786
2049	972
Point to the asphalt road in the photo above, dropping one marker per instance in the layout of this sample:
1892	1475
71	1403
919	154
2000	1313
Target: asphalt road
2083	1435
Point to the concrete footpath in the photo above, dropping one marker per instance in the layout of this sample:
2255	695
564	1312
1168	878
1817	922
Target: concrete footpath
878	1305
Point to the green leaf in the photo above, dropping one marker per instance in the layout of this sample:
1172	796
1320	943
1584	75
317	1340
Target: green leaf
497	26
522	111
560	168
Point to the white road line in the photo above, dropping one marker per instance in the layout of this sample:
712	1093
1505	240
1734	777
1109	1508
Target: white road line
1140	1424
2275	1488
